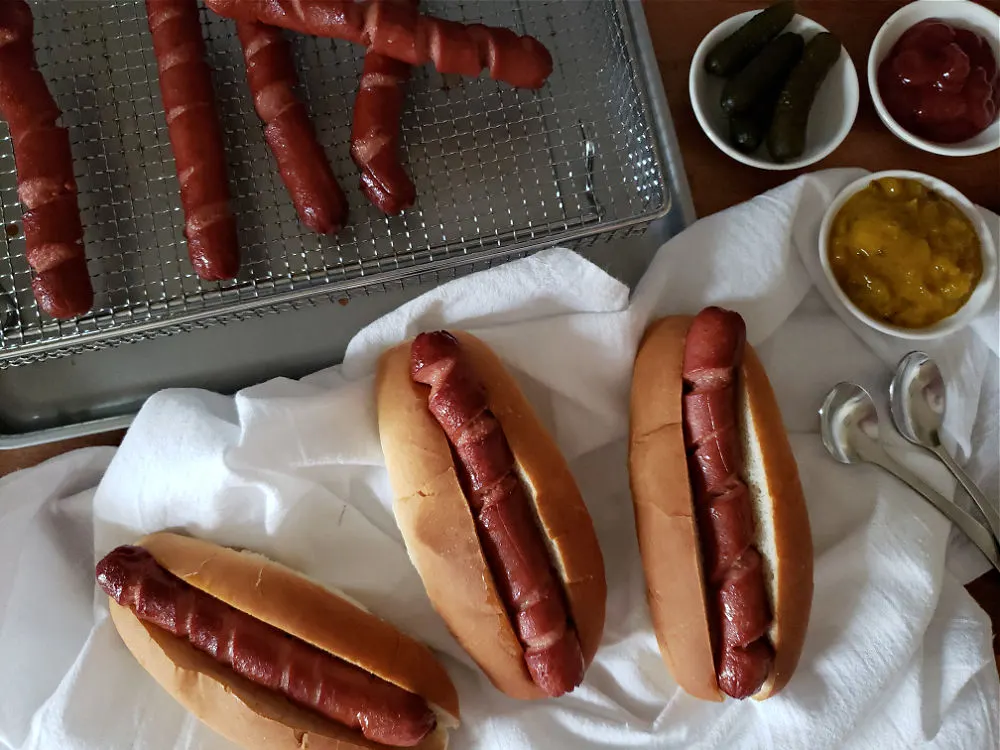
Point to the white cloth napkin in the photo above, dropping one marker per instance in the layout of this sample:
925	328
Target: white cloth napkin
897	654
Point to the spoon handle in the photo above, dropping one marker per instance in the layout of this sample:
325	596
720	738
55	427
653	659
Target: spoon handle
978	534
990	513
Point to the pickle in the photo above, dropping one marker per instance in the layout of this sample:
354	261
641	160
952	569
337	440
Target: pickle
747	130
740	47
786	140
770	68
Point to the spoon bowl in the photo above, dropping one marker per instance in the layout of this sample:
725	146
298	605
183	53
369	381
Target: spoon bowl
847	409
848	422
917	404
917	399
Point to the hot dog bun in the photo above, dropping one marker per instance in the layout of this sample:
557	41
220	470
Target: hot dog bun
256	717
438	528
666	523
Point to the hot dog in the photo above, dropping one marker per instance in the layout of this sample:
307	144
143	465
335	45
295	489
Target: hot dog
375	132
713	352
721	519
267	658
303	165
196	137
399	31
490	514
47	189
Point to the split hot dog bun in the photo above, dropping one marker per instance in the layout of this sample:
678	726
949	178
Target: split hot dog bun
440	530
249	714
673	546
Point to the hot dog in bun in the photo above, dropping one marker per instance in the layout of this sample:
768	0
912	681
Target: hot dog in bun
491	515
266	657
721	520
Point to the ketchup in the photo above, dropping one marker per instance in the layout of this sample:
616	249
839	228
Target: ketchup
941	83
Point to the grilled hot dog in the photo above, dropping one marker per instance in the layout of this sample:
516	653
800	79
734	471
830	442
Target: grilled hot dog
512	542
399	31
722	525
217	613
713	352
303	165
196	137
46	185
490	514
375	132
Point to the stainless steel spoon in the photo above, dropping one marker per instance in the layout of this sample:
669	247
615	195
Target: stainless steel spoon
917	404
849	428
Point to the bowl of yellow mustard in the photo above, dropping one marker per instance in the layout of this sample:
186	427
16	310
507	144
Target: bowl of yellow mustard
908	254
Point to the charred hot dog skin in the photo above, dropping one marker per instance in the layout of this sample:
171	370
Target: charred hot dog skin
196	137
375	132
263	654
399	31
511	540
302	163
47	188
734	575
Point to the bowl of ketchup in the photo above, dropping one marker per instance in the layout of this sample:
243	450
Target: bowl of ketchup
934	76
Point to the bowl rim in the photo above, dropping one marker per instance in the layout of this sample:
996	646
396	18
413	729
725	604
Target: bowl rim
852	101
988	252
874	60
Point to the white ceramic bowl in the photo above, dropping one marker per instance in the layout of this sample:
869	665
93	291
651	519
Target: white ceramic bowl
959	13
973	305
830	119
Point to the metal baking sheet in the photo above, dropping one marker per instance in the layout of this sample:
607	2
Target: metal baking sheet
497	170
97	391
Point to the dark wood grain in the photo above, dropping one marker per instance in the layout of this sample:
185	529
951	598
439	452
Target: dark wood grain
717	181
11	461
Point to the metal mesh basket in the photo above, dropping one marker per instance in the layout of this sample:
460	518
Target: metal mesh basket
498	171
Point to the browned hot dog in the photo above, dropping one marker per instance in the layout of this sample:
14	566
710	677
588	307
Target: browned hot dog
712	355
741	671
303	165
727	528
46	186
511	540
713	350
196	137
742	601
263	654
375	132
398	31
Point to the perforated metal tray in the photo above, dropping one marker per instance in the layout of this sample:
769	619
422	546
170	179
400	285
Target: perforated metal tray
498	171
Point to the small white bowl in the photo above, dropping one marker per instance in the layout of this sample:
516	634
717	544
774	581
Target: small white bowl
830	119
959	13
980	295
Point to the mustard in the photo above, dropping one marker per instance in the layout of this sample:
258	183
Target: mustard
904	254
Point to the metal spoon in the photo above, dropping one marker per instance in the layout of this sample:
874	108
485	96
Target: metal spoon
849	428
917	404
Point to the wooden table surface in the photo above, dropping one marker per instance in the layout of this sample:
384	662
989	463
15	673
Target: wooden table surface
718	182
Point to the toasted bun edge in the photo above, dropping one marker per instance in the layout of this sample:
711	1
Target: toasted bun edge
784	535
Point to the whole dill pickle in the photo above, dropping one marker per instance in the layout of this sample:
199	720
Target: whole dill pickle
786	139
762	74
740	47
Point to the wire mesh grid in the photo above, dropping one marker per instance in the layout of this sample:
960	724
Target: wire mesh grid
498	171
